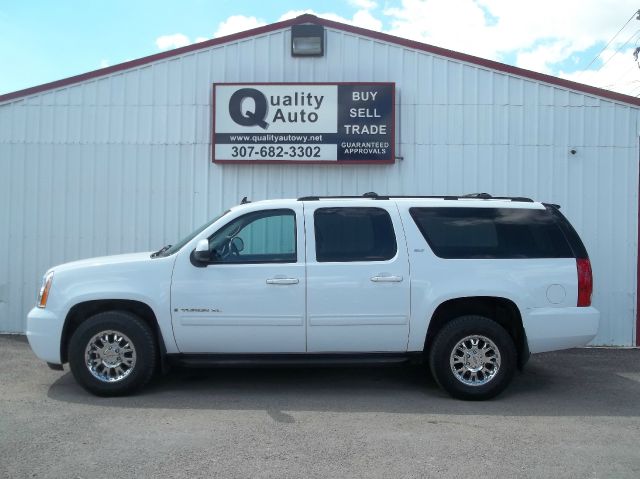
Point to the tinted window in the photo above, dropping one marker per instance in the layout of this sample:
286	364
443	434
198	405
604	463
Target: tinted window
259	237
491	233
579	251
354	234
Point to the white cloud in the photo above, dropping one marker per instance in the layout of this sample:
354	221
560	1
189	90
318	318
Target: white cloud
104	63
542	57
455	24
233	24
176	40
620	74
237	23
580	22
490	28
364	19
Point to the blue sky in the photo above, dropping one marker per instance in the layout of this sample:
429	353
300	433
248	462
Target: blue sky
42	41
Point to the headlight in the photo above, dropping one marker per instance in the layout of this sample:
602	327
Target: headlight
43	294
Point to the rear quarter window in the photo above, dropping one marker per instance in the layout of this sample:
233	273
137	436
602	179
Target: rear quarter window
502	233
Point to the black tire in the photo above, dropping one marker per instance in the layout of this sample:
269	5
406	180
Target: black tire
450	336
140	335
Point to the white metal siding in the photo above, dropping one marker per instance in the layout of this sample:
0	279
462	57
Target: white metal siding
122	163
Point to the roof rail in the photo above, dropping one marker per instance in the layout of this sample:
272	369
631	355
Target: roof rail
371	195
375	196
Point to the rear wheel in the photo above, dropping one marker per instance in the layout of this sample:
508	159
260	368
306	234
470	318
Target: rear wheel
112	353
473	358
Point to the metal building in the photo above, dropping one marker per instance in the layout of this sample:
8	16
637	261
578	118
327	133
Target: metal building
120	159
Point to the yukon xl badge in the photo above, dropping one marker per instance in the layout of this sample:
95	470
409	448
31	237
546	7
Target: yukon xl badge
196	310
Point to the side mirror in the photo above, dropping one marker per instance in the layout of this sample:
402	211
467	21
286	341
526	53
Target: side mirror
237	244
201	253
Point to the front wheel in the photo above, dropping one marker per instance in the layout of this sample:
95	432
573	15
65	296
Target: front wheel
112	353
473	358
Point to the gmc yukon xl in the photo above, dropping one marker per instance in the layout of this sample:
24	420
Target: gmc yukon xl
469	285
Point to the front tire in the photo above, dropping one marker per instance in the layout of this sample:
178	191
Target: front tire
112	353
473	358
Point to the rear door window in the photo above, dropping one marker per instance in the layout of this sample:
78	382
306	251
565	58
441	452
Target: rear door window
354	234
468	233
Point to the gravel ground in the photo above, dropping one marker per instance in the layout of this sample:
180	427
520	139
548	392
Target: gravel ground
569	414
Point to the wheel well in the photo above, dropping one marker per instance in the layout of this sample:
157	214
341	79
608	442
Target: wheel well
82	311
501	310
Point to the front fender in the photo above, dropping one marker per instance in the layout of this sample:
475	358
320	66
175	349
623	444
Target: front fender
147	282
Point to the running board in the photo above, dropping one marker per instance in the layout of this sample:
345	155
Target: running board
292	359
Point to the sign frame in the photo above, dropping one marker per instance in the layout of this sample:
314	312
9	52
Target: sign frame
393	133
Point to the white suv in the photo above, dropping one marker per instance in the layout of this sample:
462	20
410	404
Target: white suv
470	285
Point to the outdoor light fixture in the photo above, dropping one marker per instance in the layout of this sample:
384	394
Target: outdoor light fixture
307	40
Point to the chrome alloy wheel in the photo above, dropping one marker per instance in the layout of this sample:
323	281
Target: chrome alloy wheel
110	356
475	360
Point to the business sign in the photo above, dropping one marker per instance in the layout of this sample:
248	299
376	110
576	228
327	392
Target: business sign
304	122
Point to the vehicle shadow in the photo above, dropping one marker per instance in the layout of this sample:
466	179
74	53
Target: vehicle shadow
581	382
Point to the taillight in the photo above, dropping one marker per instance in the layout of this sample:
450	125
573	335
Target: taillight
585	282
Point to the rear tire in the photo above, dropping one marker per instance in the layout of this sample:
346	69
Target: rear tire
473	358
113	353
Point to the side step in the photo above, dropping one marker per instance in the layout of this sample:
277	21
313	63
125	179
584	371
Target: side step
292	359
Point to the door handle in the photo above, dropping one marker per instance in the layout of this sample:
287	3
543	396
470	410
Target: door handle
283	281
382	278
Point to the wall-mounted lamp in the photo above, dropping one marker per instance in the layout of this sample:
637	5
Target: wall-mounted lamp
307	40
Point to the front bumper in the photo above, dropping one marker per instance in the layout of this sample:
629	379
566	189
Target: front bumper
551	329
44	331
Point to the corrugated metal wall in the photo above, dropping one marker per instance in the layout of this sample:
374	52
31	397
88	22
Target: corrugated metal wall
122	163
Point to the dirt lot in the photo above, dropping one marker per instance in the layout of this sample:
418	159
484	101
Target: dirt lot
570	414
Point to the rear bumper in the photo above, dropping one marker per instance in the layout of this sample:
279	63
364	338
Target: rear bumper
551	329
44	330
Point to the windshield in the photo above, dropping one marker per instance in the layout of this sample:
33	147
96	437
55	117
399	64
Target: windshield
176	247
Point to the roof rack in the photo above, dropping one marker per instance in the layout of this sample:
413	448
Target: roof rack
375	196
